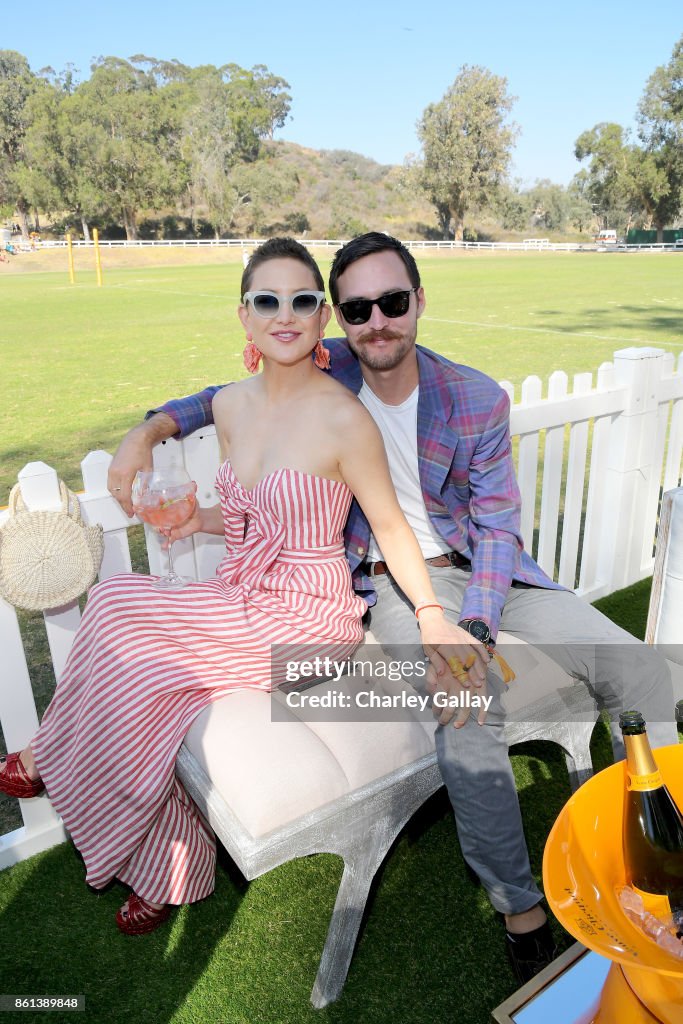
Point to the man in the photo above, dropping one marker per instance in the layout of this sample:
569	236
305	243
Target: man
446	431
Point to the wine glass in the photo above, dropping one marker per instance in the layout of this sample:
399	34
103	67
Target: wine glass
165	498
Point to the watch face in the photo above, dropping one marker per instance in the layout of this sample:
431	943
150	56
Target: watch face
479	630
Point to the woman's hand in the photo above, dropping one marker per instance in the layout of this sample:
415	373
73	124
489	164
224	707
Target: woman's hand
202	520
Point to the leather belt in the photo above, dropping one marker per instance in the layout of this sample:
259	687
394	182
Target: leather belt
439	561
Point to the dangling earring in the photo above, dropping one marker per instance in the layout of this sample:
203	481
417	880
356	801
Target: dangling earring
321	356
251	355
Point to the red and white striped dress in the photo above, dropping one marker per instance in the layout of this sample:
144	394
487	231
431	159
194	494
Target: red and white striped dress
145	662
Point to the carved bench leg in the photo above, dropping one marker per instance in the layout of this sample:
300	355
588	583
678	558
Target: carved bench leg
580	770
578	756
359	872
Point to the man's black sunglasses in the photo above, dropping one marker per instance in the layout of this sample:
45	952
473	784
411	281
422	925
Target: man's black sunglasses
392	304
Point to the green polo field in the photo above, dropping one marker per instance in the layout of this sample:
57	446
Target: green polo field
80	364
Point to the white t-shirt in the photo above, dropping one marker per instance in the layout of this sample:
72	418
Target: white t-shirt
398	426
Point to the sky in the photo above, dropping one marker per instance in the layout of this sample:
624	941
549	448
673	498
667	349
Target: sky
361	73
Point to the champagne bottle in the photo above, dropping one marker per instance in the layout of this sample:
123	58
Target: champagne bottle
653	825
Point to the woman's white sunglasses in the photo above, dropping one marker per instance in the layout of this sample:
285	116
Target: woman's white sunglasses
267	304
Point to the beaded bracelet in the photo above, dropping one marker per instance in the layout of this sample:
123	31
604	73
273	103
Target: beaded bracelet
427	604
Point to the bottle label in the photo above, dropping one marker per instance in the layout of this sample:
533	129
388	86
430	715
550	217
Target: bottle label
655	904
642	783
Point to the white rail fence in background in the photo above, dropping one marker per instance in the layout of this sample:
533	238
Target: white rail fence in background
528	245
592	464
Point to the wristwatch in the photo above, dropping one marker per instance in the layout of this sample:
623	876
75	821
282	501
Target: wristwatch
479	630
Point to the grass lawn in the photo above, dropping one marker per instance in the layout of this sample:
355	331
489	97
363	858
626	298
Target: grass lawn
79	365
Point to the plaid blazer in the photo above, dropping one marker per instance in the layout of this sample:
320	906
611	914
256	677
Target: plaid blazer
466	471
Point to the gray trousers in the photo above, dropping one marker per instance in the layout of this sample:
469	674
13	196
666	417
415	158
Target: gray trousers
619	670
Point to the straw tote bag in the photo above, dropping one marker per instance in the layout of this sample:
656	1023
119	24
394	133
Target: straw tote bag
47	558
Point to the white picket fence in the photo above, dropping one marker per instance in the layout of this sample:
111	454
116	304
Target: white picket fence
606	511
607	450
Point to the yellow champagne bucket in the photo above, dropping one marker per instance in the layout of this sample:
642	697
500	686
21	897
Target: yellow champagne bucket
583	868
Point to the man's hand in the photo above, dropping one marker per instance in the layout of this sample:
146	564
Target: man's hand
459	650
445	682
457	662
135	453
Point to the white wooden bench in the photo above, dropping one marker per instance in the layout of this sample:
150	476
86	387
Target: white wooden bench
343	787
665	613
275	790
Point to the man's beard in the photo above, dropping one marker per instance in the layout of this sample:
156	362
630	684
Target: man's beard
387	359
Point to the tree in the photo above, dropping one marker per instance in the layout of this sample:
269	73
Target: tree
60	153
579	210
38	183
228	114
259	103
610	188
125	129
625	181
259	186
655	192
513	207
17	84
466	145
550	204
660	118
209	146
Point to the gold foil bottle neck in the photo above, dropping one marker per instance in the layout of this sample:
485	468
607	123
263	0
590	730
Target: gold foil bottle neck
639	759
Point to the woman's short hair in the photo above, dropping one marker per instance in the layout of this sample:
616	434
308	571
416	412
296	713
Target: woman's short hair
280	249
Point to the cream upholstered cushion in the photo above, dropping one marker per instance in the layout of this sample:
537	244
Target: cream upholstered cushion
268	773
537	677
271	766
273	763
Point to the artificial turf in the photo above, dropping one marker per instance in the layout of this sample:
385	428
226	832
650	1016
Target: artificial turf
431	947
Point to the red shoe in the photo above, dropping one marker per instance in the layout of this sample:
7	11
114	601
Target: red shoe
141	916
15	780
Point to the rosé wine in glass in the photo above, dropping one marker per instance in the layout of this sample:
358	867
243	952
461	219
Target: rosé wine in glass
165	499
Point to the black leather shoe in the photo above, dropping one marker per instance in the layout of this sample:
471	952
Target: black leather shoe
531	952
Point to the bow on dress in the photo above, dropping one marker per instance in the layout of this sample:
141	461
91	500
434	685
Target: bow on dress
254	539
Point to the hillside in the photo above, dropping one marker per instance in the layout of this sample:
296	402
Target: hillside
308	193
340	193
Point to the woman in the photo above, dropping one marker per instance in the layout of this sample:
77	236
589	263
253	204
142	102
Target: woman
297	447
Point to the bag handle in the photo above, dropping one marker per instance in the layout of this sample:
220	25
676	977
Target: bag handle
72	509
